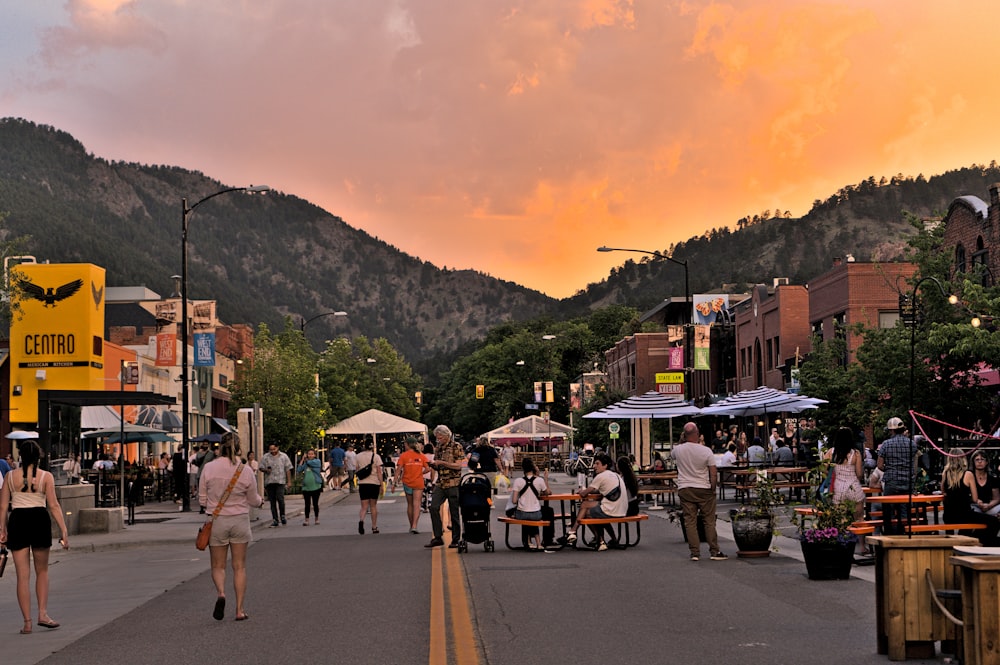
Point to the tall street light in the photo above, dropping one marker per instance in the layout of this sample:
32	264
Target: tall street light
909	312
304	321
688	330
186	210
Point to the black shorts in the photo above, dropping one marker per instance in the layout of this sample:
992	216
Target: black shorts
29	527
369	491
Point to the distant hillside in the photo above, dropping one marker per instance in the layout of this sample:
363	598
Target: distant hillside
266	257
261	257
866	220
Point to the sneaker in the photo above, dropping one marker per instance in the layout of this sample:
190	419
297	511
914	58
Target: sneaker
274	523
284	521
435	542
602	547
718	556
695	557
571	538
306	523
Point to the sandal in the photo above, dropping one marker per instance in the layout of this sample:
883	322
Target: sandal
374	529
242	617
220	608
48	623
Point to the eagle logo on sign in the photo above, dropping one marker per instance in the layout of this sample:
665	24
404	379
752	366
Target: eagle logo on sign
50	296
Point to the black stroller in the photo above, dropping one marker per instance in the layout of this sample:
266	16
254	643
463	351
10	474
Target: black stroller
475	495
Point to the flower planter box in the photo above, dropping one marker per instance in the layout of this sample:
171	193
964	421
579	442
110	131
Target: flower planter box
828	561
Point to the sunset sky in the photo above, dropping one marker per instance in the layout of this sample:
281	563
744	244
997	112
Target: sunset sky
515	137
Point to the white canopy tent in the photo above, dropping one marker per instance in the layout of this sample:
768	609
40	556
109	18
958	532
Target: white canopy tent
530	429
377	422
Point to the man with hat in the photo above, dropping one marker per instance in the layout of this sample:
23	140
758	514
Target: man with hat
896	458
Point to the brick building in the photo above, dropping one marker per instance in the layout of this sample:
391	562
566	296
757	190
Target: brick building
772	327
853	292
971	231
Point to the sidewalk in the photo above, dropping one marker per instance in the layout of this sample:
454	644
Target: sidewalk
162	523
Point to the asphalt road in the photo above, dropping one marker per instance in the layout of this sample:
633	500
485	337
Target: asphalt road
324	594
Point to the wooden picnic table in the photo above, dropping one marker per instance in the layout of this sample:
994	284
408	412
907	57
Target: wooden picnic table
657	484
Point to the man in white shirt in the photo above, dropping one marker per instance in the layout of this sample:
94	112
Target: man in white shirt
612	499
696	481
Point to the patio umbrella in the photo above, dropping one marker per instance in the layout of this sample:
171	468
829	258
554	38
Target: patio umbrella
128	428
760	401
21	434
648	405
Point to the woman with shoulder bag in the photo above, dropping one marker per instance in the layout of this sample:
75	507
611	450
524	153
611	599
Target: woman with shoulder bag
227	489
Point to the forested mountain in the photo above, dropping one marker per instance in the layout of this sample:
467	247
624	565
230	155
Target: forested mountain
261	257
267	257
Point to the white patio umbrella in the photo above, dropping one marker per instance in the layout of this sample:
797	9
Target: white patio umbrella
22	434
760	401
648	405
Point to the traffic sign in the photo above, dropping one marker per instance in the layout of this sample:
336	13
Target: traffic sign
670	388
614	428
669	377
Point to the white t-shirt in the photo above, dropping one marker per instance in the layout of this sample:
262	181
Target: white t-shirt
526	499
605	482
693	460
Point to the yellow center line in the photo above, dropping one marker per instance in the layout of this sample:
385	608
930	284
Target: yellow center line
439	643
446	571
461	615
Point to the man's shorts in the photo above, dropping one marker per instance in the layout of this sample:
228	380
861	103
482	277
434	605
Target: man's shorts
598	514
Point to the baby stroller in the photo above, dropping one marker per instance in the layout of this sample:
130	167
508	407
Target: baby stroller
475	496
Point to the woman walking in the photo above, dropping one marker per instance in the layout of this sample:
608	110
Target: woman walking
369	487
411	467
312	483
227	489
30	493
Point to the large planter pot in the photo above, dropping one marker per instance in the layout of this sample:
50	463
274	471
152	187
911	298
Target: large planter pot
828	561
752	534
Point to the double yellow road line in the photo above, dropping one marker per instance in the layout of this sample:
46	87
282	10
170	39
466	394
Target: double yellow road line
450	599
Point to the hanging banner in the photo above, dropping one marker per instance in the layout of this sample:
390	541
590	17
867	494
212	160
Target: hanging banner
204	349
676	360
538	391
166	350
575	395
550	395
701	347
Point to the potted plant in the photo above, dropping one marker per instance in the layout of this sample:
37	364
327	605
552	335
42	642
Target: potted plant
753	522
825	536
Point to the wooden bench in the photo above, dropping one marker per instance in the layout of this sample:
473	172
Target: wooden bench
930	528
507	521
655	491
622	526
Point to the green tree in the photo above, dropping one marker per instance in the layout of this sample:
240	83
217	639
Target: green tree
357	375
282	380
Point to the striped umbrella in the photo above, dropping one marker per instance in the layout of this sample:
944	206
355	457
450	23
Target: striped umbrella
648	405
761	401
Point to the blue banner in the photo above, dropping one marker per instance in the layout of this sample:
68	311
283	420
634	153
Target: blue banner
204	349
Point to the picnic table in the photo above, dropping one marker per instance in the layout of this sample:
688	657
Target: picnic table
658	484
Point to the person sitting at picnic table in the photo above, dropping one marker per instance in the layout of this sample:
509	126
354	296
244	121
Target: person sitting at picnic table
612	500
729	457
525	498
783	456
756	455
958	485
658	466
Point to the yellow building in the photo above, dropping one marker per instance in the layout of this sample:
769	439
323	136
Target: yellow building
57	333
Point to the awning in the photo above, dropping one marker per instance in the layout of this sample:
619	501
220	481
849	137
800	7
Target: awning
98	417
223	424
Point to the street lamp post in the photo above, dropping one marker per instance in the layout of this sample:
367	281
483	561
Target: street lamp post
688	330
909	313
185	369
304	321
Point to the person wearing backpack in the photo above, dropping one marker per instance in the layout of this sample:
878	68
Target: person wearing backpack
525	500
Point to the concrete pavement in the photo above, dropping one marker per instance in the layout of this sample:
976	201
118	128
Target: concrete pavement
144	595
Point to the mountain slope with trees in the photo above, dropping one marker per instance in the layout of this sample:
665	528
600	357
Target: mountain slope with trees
265	258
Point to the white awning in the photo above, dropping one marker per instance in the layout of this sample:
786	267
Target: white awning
98	417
